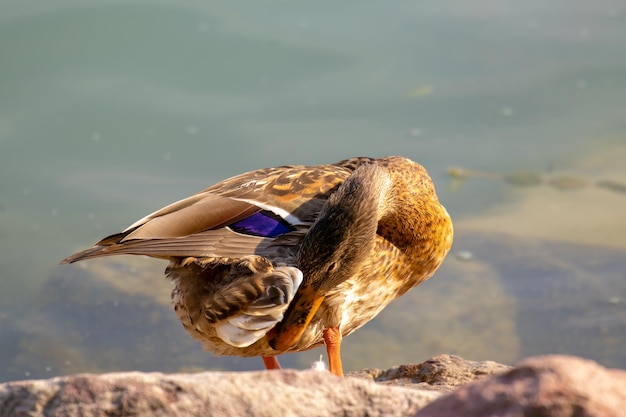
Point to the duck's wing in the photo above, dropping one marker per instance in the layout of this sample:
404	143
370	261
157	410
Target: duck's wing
252	213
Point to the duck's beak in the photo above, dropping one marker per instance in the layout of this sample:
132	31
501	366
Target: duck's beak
298	316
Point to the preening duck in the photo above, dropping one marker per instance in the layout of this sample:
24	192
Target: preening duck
289	258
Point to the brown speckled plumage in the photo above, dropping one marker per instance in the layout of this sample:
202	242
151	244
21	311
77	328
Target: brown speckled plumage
382	233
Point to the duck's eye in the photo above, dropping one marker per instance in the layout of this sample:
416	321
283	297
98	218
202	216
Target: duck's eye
332	267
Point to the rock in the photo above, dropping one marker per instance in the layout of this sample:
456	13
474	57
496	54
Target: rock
554	386
286	393
441	373
544	386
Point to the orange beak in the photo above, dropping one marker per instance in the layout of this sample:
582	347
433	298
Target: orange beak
296	320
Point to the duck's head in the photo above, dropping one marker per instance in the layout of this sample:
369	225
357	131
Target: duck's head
343	235
335	246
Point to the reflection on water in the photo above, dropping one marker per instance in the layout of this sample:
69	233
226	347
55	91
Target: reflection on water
111	110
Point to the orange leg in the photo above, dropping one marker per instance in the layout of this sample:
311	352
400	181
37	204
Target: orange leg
332	338
270	362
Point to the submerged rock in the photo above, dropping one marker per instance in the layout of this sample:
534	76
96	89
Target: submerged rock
517	297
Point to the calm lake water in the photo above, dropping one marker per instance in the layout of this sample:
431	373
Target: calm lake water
110	110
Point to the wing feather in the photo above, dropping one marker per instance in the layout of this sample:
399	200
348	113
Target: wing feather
197	225
210	212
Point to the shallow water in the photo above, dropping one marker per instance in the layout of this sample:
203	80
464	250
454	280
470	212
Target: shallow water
110	110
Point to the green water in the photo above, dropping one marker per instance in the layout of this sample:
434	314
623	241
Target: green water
110	110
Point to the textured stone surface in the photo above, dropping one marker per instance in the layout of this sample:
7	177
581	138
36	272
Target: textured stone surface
441	373
543	386
286	393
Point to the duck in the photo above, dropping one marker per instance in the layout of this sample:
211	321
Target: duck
290	258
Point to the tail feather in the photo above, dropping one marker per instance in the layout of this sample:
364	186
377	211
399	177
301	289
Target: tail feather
95	252
102	248
220	243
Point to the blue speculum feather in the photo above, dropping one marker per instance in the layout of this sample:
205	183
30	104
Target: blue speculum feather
263	223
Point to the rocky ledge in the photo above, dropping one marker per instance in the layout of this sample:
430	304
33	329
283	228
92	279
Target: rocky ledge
442	386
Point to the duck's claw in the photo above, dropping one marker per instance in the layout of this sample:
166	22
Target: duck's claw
297	318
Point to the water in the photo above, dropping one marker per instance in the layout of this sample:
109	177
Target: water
110	110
